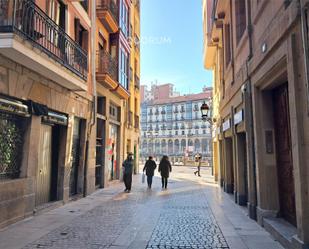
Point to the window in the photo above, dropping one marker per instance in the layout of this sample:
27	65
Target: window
124	18
176	132
183	132
227	44
81	34
196	132
123	69
241	22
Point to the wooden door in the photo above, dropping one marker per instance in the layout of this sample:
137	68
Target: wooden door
43	179
284	154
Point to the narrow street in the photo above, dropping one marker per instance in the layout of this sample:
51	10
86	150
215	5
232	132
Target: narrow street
192	213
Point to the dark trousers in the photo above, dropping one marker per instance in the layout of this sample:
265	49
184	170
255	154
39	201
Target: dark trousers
149	181
198	170
127	179
164	182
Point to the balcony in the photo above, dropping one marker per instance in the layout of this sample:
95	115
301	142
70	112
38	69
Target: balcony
137	82
31	38
107	70
107	12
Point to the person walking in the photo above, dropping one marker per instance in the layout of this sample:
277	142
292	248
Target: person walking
150	167
127	172
198	162
165	168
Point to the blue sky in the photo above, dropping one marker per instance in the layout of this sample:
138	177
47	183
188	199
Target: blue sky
172	44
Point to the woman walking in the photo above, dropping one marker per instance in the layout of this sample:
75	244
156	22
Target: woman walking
165	168
150	167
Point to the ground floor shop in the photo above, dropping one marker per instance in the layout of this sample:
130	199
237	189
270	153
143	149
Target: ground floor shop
262	144
43	134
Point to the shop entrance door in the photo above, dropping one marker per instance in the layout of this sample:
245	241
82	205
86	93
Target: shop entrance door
75	157
43	183
284	154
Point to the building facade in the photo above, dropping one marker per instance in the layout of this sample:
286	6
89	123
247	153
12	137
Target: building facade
258	53
45	105
67	96
173	126
117	77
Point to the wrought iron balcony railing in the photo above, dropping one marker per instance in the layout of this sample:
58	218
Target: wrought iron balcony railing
26	19
110	6
107	65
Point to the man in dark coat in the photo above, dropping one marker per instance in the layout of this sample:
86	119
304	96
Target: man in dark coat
165	168
127	172
150	167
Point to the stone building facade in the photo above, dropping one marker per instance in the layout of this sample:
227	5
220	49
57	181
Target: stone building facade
173	126
66	99
45	106
258	52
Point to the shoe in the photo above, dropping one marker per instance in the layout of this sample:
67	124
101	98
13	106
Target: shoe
199	175
125	190
194	173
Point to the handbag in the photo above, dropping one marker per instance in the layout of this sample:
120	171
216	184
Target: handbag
143	178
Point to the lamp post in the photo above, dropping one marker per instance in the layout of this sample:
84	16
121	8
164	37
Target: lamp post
205	111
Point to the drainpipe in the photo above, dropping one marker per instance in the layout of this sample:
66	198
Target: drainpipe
304	29
252	208
94	90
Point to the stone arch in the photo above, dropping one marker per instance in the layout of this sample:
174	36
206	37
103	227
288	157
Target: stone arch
197	145
176	146
183	145
204	145
170	147
163	146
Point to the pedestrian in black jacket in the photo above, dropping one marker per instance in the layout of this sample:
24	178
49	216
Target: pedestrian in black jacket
149	167
165	168
127	172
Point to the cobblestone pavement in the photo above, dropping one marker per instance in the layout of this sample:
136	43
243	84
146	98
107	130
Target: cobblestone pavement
186	221
191	213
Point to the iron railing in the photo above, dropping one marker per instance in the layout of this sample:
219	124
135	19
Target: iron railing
110	6
11	145
25	18
107	64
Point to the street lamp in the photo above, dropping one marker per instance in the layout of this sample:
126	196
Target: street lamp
205	111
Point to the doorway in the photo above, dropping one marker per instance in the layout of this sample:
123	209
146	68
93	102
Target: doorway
242	170
75	156
229	166
284	153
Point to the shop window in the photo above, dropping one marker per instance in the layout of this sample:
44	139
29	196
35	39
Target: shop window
101	104
241	22
12	130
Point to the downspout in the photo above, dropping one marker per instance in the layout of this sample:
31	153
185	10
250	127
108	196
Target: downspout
304	29
94	89
232	42
252	209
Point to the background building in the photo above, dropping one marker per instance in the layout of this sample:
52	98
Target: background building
173	126
258	51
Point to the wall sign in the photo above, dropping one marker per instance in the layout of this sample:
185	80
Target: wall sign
238	117
226	125
14	106
55	118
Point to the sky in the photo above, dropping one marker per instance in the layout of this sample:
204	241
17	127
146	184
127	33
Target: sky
172	44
